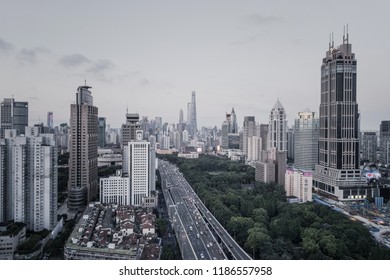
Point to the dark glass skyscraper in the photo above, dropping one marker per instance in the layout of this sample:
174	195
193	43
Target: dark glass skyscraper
338	170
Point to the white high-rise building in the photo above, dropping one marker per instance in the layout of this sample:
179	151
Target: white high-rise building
29	180
299	183
138	155
254	148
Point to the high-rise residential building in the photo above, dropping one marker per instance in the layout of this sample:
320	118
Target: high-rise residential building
306	140
277	129
191	114
338	170
299	183
384	140
83	181
50	123
28	179
369	146
254	148
13	115
249	130
102	132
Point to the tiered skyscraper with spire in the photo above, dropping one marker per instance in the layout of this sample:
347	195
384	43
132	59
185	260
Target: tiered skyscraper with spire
338	170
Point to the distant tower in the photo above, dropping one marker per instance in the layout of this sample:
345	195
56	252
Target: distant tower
83	174
338	171
14	115
50	124
277	129
193	128
181	119
225	130
181	125
306	140
233	127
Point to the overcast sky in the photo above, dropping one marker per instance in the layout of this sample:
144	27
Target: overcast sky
150	55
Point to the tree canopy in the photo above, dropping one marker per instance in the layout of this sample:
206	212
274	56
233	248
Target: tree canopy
265	225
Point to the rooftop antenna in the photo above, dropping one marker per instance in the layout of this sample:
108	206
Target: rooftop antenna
332	40
347	34
85	80
344	35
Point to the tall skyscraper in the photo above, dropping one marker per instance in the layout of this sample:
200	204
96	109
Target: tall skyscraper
234	127
28	179
83	159
338	170
277	129
181	116
306	140
14	115
181	124
192	121
384	138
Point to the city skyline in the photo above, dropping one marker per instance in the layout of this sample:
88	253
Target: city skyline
149	57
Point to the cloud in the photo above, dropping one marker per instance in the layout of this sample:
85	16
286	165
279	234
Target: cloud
144	82
5	46
30	55
73	60
261	19
100	66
